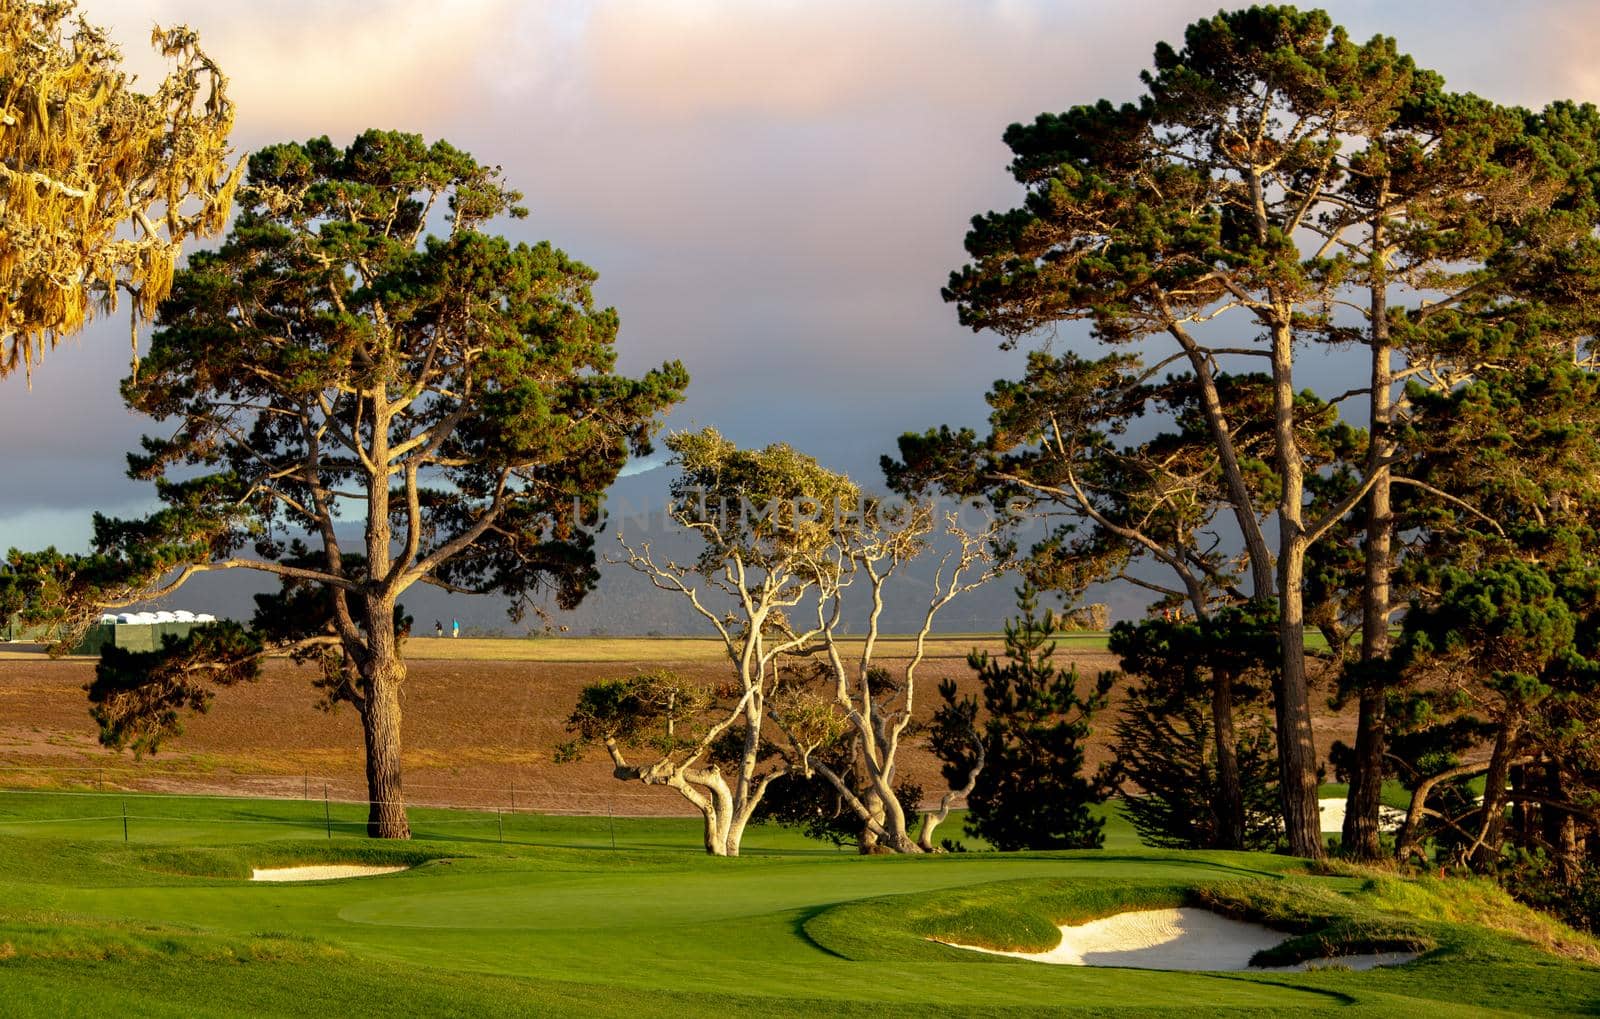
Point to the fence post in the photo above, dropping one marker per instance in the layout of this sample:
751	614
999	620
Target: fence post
305	788
500	824
611	819
327	818
124	822
513	795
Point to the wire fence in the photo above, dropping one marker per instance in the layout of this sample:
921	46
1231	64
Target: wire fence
148	818
157	805
513	795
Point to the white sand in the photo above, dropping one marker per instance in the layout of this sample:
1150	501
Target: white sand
323	872
1179	939
1389	819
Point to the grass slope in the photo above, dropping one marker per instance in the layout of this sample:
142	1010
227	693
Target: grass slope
556	920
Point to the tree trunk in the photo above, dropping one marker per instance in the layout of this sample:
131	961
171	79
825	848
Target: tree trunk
1560	827
1359	838
1297	754
895	838
1487	847
729	830
1257	553
716	839
380	724
1406	843
1230	794
871	822
932	819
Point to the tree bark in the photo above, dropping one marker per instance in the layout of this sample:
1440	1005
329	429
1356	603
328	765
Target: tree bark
1257	553
380	724
1230	794
872	823
1359	838
1297	755
1487	846
1560	827
381	665
716	843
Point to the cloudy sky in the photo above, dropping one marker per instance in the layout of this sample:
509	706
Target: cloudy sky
772	192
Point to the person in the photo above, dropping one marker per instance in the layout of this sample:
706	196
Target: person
438	628
455	627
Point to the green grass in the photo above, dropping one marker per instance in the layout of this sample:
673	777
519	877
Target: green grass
1394	793
556	920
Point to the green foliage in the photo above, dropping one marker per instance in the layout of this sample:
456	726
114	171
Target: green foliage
1274	174
1031	793
657	710
1498	651
460	391
1571	896
489	362
1166	735
139	697
769	507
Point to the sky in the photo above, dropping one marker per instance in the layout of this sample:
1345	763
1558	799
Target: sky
772	192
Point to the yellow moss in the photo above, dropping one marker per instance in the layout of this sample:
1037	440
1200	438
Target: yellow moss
87	157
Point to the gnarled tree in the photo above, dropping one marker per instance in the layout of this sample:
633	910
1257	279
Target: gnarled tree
456	395
783	542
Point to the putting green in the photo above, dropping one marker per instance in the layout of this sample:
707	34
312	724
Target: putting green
544	923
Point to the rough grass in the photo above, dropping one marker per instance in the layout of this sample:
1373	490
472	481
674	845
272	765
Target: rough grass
1466	900
1325	924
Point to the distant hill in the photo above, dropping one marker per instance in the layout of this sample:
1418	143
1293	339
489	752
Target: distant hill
625	603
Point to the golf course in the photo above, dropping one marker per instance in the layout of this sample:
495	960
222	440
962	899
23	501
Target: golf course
1095	509
523	914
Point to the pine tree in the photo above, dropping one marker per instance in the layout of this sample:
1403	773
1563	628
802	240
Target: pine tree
1032	793
1168	744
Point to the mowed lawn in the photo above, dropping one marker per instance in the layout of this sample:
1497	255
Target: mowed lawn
555	920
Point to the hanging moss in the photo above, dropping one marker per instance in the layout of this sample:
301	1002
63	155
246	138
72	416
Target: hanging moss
100	185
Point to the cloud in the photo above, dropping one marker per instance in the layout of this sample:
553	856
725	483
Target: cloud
772	191
810	60
332	66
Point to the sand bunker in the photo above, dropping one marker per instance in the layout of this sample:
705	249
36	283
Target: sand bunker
320	872
1183	939
1389	819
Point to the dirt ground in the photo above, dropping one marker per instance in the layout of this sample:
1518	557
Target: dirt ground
478	732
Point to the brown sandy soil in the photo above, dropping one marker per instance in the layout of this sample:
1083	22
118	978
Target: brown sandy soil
477	733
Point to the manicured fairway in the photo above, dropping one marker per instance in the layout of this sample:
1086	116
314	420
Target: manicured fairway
555	920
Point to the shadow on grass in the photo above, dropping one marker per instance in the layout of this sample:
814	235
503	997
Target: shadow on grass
802	917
